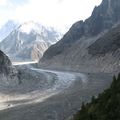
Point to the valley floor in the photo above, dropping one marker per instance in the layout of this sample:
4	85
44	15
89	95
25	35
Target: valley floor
58	99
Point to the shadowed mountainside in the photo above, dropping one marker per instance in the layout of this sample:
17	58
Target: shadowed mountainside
75	49
8	74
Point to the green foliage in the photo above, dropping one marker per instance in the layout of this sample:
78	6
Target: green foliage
105	107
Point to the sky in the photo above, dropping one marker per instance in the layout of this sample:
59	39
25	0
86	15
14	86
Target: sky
60	14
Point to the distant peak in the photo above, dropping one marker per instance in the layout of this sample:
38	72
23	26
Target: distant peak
27	27
29	23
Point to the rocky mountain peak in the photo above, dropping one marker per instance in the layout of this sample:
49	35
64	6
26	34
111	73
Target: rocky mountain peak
72	50
29	41
103	17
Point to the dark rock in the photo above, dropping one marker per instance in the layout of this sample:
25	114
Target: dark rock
92	45
5	63
103	17
8	74
108	43
4	60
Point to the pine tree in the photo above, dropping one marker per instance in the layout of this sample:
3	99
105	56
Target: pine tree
105	107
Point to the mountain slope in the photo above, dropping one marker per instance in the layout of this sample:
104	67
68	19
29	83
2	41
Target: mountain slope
8	74
105	107
72	50
29	41
108	43
7	29
96	54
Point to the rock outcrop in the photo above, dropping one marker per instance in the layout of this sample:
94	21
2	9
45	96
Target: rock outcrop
8	74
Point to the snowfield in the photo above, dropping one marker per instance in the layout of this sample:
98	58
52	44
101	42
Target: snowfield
24	63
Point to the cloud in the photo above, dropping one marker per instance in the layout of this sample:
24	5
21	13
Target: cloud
18	2
53	12
57	13
59	1
3	2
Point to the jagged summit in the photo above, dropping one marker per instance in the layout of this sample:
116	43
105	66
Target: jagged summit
27	27
29	41
31	26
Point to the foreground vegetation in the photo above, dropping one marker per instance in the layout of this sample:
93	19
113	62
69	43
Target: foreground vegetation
105	107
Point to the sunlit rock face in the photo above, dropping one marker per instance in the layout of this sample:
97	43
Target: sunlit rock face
73	50
8	74
29	41
38	50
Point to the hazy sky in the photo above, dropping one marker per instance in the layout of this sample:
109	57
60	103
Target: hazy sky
57	13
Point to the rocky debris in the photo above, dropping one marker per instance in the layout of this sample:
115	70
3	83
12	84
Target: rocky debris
62	105
30	80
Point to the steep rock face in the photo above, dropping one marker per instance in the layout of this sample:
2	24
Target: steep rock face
108	43
102	18
8	74
28	40
38	49
72	50
96	54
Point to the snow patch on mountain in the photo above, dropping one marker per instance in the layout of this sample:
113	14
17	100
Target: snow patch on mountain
29	41
30	26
